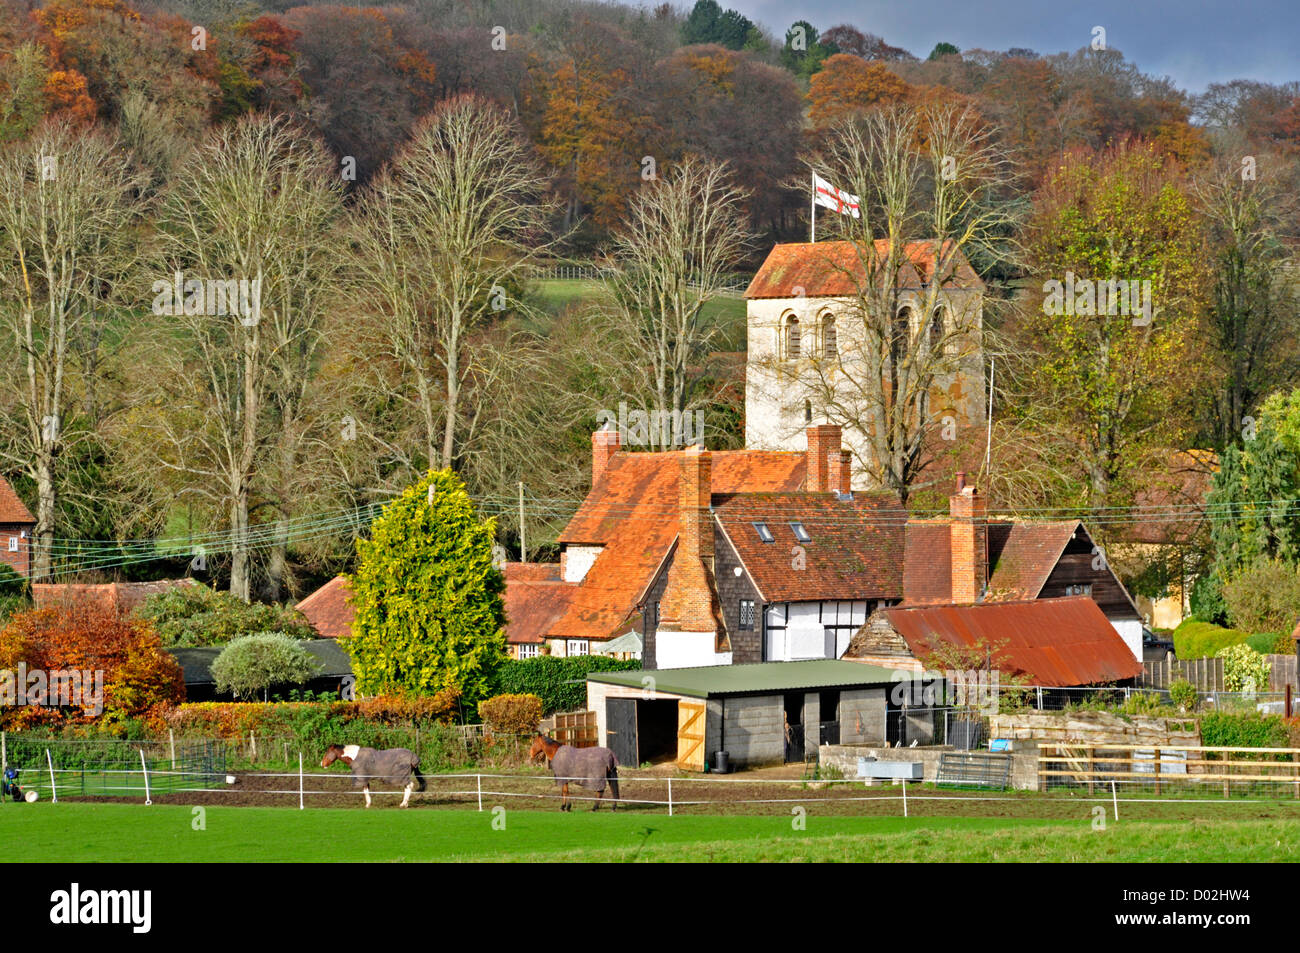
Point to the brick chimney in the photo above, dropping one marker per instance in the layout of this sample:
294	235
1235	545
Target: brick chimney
688	599
840	463
604	444
823	439
969	528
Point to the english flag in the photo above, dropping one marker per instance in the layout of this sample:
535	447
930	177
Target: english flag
828	196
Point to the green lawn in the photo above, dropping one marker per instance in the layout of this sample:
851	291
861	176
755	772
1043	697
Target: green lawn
79	832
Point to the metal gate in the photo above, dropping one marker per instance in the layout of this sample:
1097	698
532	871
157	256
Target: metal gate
200	762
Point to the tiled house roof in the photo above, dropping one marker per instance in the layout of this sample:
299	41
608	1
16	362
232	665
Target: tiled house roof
1021	557
855	550
122	596
836	269
12	509
329	609
535	597
1052	642
632	512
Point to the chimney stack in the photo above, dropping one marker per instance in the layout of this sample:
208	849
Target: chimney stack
969	528
604	444
840	463
823	439
687	602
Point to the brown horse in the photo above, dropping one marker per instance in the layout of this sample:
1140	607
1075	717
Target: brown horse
395	766
591	768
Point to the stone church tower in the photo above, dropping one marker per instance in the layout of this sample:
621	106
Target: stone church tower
811	360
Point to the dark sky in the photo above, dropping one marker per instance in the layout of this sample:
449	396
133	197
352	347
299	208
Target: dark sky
1195	42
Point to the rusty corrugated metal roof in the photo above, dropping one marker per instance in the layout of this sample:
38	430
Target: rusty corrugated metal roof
1055	643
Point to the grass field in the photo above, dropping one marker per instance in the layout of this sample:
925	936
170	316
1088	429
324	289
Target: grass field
84	832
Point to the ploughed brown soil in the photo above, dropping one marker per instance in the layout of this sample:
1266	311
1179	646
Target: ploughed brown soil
775	791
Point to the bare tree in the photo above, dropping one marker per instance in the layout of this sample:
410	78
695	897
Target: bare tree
68	219
250	213
909	336
683	235
445	235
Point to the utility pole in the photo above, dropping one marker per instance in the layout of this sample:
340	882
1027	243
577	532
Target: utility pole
523	539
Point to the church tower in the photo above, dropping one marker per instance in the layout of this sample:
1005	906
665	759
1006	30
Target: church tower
817	353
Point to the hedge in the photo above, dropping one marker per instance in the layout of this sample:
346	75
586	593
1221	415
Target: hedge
1197	639
559	682
1225	729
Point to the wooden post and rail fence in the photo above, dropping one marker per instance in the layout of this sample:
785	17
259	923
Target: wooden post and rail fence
1163	766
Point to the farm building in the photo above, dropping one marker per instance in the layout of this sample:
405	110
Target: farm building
1053	643
329	609
120	596
687	715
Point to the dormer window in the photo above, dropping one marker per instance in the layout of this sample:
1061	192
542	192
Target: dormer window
800	533
764	533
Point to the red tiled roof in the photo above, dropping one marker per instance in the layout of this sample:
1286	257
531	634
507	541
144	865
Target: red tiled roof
12	509
1055	643
532	572
533	605
1023	555
1170	507
632	512
123	596
855	552
329	610
836	269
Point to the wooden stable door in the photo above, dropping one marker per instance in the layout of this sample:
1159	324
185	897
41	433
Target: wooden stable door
690	735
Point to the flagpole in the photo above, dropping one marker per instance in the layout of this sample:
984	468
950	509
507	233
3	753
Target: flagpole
812	238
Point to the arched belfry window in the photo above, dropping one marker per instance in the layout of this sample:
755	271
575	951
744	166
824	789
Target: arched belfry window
936	328
830	345
807	411
791	338
902	330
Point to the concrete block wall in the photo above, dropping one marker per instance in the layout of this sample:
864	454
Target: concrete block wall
862	716
753	730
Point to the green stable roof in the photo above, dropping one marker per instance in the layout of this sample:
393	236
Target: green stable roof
714	680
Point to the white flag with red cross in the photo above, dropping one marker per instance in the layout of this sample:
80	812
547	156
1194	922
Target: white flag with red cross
828	196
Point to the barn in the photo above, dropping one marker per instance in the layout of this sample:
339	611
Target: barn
687	715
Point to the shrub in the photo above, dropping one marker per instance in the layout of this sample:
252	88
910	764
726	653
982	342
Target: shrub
559	682
1264	597
429	612
138	675
1183	694
1244	669
1206	600
1224	729
199	615
1197	639
511	714
253	663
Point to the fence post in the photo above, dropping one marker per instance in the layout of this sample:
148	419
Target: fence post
54	791
479	779
145	768
1114	797
904	780
670	797
1040	697
171	741
300	803
252	745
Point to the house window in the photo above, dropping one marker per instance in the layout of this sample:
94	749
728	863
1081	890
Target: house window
13	544
528	651
1081	590
800	533
791	338
807	411
830	346
764	533
577	647
747	613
